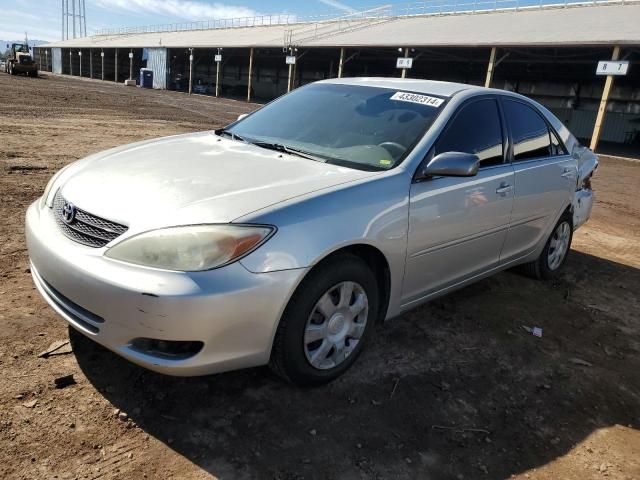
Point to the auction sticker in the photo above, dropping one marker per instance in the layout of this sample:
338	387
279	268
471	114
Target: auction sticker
417	98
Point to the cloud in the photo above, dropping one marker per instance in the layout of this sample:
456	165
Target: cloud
338	5
187	9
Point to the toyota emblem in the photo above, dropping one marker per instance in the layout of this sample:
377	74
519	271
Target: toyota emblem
68	212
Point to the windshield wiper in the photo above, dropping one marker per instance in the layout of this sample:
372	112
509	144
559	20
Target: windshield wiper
279	147
224	131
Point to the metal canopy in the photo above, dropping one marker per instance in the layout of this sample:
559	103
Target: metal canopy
612	24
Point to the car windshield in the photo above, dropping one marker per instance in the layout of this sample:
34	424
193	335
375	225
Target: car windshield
367	128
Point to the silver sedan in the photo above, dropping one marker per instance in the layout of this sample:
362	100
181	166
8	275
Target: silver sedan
284	238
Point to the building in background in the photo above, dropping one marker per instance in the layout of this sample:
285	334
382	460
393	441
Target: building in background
547	52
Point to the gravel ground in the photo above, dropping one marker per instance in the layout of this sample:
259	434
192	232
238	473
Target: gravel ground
454	389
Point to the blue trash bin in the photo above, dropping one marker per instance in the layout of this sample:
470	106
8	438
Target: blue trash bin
146	78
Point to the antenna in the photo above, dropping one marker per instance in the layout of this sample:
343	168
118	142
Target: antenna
78	17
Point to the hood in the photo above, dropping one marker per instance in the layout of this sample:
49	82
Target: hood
193	178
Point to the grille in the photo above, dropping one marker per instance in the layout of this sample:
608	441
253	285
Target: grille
86	228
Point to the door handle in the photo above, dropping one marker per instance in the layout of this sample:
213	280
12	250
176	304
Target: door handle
504	189
568	173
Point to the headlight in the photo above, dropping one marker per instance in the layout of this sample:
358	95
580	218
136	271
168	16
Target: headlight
190	248
47	190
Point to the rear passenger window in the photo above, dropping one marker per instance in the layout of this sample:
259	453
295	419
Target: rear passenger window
531	135
475	129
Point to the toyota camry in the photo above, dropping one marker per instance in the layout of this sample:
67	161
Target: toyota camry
286	236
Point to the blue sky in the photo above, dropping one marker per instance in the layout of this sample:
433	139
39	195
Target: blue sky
42	18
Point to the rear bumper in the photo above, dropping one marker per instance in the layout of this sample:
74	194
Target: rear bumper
582	205
232	311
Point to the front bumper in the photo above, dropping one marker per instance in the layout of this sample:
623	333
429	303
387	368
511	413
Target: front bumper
232	311
25	68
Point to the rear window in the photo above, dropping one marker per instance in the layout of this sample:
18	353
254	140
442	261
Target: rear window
531	134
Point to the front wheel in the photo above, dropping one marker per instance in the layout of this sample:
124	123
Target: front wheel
327	322
555	252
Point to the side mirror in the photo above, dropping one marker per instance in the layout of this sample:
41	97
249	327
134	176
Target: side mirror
241	116
450	164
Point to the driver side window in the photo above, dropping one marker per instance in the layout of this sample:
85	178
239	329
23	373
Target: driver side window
477	129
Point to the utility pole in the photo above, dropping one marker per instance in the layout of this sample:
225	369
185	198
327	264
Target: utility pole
79	17
73	10
341	64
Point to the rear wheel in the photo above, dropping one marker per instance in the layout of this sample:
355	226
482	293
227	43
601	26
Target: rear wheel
326	323
555	252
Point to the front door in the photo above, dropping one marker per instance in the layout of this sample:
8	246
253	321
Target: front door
457	226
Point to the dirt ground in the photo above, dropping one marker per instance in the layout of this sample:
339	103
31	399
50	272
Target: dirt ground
456	389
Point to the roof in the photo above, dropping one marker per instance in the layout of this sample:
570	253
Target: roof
431	87
598	24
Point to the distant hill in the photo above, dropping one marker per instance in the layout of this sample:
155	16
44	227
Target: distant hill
32	42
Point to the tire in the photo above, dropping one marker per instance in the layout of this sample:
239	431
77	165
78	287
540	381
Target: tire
293	349
544	268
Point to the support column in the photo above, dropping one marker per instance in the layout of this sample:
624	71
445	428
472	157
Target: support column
341	64
290	77
131	64
70	62
80	61
218	76
116	67
250	75
190	70
46	60
404	70
102	62
492	61
603	103
91	63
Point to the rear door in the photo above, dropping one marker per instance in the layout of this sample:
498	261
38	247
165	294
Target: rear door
545	177
457	226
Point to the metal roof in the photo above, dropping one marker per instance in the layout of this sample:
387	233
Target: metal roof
564	25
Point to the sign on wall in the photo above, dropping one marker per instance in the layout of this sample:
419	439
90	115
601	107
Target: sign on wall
612	67
291	60
403	62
